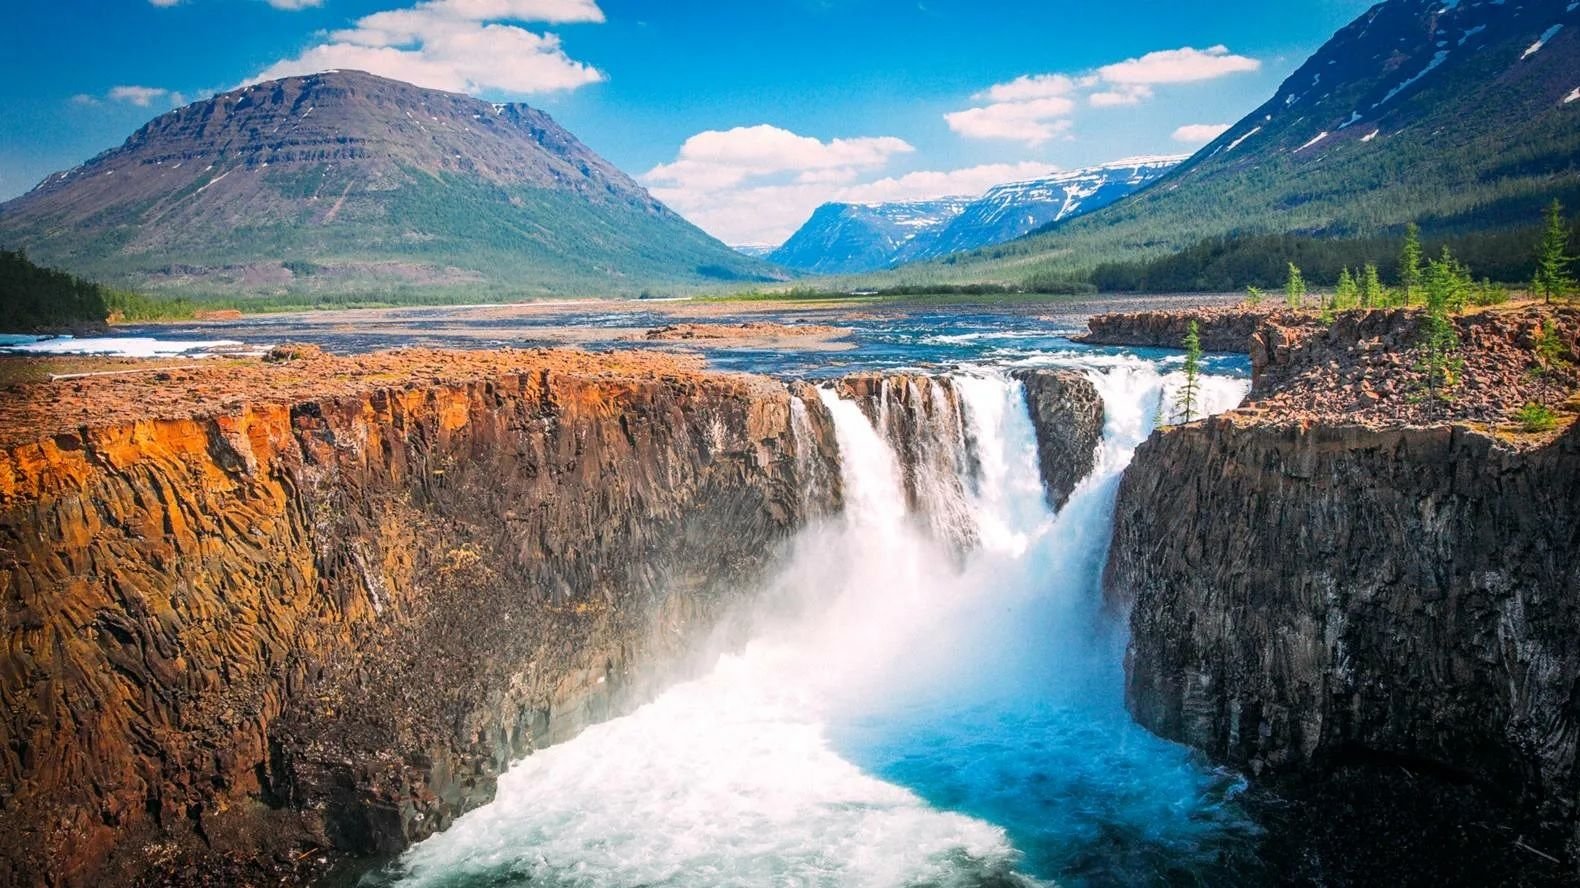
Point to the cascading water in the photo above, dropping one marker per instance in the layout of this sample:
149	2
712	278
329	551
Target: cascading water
905	716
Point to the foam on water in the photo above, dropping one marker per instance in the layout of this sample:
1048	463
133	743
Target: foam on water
115	346
904	716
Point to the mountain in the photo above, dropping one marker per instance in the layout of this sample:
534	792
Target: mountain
345	183
844	238
755	251
1010	211
853	238
1463	115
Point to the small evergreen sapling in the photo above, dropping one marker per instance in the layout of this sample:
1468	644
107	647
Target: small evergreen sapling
1371	287
1348	294
1411	277
1295	287
1190	392
1439	363
1553	278
1549	352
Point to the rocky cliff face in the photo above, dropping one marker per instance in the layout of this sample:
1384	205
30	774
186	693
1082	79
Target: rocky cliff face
1067	413
923	419
1229	329
341	617
1303	596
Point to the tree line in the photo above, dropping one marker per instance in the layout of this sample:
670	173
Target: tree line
1234	262
36	298
1441	287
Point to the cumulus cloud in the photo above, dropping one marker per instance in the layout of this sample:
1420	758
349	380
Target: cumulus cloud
141	96
1184	65
758	184
1200	133
1034	108
1030	86
457	45
294	4
1128	94
933	184
722	159
1032	122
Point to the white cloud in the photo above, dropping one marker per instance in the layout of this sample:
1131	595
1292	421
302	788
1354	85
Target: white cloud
723	159
1034	108
1029	86
164	3
141	96
933	184
1129	94
1184	65
84	99
1033	122
457	45
1200	133
294	4
758	184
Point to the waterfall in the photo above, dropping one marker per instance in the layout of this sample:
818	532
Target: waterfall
906	714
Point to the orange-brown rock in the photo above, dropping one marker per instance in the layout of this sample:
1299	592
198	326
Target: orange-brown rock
278	609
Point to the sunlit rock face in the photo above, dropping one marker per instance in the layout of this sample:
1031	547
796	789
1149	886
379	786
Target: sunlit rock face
361	609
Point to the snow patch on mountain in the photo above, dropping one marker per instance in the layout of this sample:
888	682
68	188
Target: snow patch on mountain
1319	137
1437	61
1542	41
852	238
1236	143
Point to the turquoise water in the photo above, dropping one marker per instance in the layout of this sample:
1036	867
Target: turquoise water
906	716
922	722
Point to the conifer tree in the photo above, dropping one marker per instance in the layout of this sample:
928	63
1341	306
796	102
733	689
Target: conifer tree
1295	287
1549	354
1371	287
1189	393
1439	362
1347	295
1553	278
1253	296
1410	273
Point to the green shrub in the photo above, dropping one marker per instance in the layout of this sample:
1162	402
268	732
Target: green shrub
1536	418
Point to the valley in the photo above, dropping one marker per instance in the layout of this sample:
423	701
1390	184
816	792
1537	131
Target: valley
403	483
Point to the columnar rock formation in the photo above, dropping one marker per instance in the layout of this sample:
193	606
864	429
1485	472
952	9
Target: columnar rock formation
1067	412
359	608
1227	329
1301	595
1313	582
317	606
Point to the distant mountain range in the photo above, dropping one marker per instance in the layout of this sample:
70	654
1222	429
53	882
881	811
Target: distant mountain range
842	238
845	238
344	183
1463	115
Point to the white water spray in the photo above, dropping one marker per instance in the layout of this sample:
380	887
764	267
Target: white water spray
775	769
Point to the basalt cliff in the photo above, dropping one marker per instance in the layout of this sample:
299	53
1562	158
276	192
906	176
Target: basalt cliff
264	617
1345	584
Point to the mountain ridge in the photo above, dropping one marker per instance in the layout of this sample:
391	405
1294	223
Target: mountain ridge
845	238
342	182
1452	114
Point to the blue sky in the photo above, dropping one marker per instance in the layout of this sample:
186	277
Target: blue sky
742	115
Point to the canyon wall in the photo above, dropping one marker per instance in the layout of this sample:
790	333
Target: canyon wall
1303	595
1227	329
339	619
